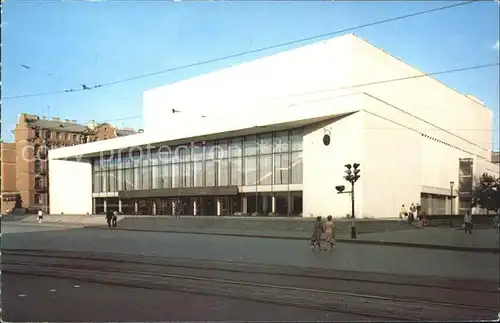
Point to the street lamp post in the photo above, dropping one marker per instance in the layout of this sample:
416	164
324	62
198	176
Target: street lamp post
352	176
451	197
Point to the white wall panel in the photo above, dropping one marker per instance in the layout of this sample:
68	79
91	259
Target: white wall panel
70	187
391	167
252	87
425	98
324	167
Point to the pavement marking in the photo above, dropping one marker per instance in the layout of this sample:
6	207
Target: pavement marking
76	286
21	295
52	290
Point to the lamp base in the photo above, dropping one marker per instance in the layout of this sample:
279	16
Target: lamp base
353	232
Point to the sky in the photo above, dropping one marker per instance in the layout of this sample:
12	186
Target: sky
70	43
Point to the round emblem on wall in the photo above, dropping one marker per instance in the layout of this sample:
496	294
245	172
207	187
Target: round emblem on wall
326	140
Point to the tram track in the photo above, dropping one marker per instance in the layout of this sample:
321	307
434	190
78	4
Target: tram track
251	282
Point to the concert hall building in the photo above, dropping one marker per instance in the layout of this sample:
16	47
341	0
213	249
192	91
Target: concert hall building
249	140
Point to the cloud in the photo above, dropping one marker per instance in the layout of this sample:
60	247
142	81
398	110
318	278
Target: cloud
496	46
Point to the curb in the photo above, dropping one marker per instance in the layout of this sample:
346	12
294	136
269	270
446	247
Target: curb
372	242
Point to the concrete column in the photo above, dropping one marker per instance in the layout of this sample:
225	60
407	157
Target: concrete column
120	206
244	205
105	206
173	208
195	211
218	206
136	207
94	206
154	207
273	204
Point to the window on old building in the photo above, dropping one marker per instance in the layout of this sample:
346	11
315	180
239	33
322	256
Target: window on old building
38	199
75	137
38	183
37	133
48	134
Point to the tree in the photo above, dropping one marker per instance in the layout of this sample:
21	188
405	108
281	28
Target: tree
486	194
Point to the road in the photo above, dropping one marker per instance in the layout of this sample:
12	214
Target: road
226	291
129	275
351	257
58	300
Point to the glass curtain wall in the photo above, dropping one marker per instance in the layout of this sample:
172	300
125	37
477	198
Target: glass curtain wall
265	159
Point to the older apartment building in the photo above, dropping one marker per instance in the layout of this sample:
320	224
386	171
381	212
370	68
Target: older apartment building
24	165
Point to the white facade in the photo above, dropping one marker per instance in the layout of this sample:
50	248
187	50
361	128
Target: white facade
408	135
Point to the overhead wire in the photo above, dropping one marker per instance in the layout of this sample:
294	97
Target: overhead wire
83	88
350	87
257	50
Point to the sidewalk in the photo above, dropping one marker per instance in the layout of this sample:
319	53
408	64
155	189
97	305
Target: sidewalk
483	240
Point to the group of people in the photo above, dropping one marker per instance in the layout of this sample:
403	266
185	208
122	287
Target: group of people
409	214
112	218
323	227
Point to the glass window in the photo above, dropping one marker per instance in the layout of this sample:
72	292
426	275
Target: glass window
250	145
112	181
136	160
127	161
281	167
119	180
137	179
166	176
209	173
197	152
154	158
198	174
209	150
146	178
155	177
112	163
222	150
296	139
97	182
236	147
250	166
266	170
104	182
129	179
146	159
119	162
97	164
281	142
165	155
186	175
223	172
236	171
175	175
265	145
187	153
296	168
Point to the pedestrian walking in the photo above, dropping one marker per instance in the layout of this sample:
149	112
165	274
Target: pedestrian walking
40	216
411	214
403	212
318	231
468	222
419	212
329	233
109	218
115	218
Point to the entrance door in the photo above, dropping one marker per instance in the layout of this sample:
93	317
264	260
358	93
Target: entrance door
164	207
